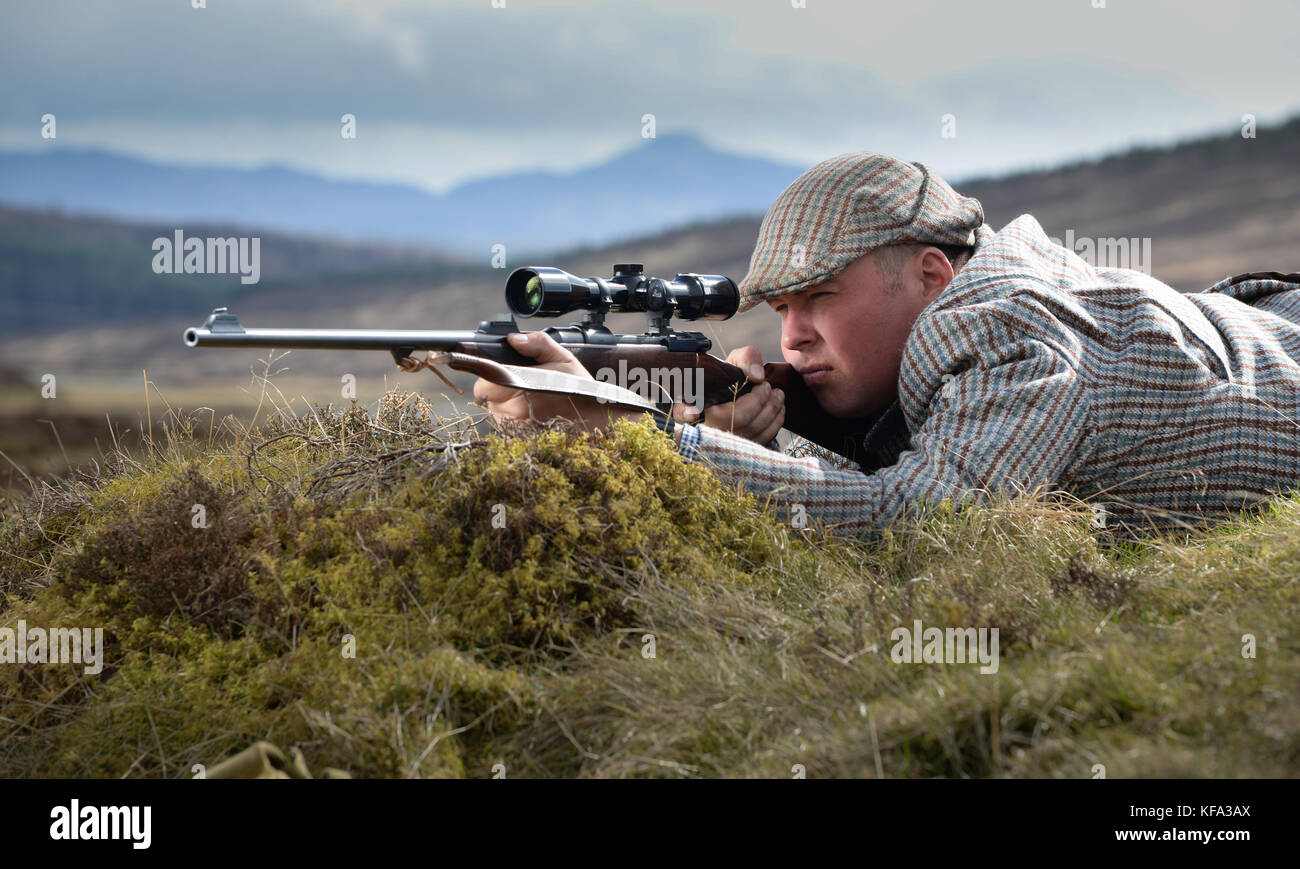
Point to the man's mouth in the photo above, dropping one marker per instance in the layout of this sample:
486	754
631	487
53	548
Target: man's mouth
815	374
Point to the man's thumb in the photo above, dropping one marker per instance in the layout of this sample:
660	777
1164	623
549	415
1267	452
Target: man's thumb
748	360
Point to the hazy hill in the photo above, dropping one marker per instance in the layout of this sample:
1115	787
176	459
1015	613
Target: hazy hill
1212	207
59	271
661	183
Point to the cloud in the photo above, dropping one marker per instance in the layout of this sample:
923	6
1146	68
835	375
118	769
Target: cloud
548	83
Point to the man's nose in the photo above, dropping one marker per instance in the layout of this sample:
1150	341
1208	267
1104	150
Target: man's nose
797	332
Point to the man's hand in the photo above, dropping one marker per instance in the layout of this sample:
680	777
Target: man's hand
505	403
758	415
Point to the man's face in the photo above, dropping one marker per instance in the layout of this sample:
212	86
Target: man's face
846	335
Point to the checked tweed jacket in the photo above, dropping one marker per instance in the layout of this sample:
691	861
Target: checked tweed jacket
1034	371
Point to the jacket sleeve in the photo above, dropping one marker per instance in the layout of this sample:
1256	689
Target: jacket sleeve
1014	421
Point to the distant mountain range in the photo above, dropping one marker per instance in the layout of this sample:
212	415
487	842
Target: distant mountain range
666	182
1210	208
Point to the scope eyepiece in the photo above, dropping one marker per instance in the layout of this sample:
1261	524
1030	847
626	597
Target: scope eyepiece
703	297
541	291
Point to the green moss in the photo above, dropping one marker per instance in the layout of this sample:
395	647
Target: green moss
567	604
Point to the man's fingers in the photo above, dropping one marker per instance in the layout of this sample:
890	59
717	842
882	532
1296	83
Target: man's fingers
767	410
748	360
765	437
735	415
688	412
487	391
758	413
540	346
519	404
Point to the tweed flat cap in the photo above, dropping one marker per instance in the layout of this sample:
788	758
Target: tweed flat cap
845	207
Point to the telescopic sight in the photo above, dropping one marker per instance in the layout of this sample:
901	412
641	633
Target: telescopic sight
548	292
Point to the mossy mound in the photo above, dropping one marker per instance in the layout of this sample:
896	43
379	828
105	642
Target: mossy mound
398	596
237	604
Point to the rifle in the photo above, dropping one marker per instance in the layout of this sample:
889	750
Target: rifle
673	366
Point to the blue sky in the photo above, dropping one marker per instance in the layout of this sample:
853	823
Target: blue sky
448	91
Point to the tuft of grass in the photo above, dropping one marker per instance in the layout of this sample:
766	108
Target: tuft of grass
400	595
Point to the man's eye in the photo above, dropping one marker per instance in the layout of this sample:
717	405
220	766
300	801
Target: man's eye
819	295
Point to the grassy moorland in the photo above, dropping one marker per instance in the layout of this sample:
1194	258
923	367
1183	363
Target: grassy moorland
397	595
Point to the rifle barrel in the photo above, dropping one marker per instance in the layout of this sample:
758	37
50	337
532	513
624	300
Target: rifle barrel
336	339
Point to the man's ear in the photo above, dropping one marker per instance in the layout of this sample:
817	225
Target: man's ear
936	272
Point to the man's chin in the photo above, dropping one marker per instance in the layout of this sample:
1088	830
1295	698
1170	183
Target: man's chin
837	407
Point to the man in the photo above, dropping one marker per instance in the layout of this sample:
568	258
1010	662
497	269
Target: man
994	363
